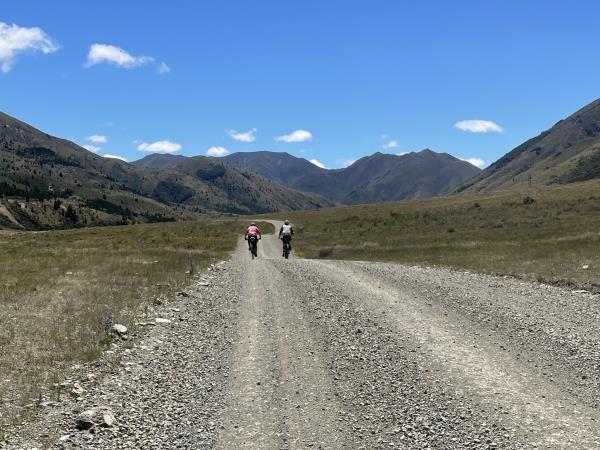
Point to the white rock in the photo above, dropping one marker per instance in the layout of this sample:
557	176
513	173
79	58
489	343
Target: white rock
120	329
108	419
160	320
85	420
585	266
77	389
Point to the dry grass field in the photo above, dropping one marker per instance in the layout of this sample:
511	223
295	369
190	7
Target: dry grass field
545	234
61	290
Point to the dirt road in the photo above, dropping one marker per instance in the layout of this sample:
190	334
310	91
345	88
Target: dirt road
297	354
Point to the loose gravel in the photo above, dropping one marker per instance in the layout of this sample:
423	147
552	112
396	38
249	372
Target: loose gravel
276	354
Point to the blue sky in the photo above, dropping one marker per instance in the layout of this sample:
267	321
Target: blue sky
340	79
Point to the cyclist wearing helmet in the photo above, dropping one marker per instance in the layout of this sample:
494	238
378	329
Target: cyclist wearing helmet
252	231
286	232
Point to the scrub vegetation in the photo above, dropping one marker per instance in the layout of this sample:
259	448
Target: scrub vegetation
544	234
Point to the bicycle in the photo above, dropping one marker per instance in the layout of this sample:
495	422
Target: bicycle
253	245
287	245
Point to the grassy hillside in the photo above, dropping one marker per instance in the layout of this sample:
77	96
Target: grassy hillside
567	152
545	234
62	289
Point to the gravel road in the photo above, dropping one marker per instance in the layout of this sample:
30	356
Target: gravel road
296	354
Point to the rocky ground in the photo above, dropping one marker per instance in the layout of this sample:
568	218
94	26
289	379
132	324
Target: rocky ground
276	354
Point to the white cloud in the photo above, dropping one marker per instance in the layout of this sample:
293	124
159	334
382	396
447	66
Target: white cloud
92	148
217	151
296	136
345	162
97	139
160	147
478	162
15	40
248	136
163	69
101	53
115	157
391	144
402	154
478	126
318	163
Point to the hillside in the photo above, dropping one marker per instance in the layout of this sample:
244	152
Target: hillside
158	161
567	152
278	166
48	182
376	178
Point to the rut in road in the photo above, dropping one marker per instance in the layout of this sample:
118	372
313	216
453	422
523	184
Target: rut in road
295	354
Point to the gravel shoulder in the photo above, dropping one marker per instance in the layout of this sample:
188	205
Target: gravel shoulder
277	354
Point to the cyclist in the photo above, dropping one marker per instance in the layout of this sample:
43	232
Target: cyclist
252	231
285	234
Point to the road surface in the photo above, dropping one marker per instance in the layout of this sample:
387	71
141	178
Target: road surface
297	354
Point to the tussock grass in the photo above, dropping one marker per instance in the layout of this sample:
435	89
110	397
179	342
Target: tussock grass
543	234
60	290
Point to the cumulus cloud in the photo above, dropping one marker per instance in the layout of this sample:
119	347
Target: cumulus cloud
102	53
115	157
391	144
163	69
159	147
248	136
97	139
217	151
477	162
92	148
296	136
479	126
318	163
15	40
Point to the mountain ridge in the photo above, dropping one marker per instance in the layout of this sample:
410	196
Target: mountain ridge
373	178
569	151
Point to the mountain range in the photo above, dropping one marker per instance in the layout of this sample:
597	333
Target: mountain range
48	182
376	178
